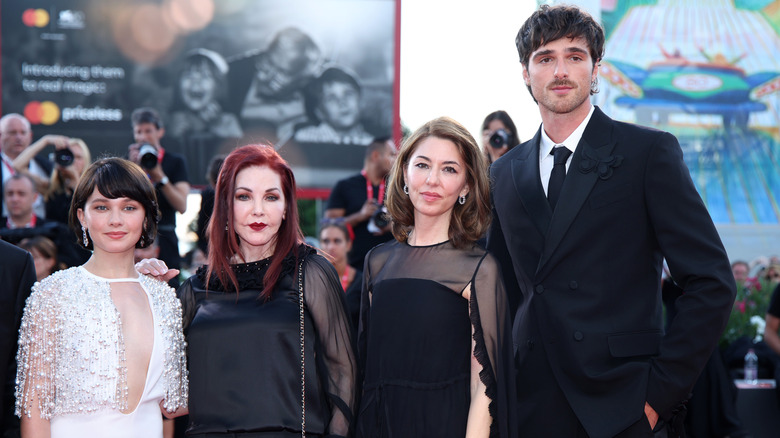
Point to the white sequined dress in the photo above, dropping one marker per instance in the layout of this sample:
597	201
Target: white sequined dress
72	358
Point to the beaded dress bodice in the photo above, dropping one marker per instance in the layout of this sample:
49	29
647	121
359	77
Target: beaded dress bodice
71	350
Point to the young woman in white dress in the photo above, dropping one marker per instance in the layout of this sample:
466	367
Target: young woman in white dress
101	350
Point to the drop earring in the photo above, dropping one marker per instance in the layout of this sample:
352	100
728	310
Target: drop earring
406	189
143	232
594	86
462	199
84	236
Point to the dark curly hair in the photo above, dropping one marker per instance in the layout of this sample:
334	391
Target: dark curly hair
551	23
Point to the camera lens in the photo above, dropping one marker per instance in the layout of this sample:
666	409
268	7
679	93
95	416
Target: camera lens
380	217
499	139
63	157
148	156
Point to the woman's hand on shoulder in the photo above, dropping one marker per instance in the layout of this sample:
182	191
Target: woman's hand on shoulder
156	269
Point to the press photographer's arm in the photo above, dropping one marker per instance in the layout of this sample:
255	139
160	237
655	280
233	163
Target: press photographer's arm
146	155
22	162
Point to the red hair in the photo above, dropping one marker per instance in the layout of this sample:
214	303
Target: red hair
223	244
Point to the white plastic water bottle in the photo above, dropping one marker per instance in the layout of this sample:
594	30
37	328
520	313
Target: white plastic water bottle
751	367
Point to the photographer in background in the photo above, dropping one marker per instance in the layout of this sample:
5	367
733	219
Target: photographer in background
70	158
499	135
168	173
15	137
359	199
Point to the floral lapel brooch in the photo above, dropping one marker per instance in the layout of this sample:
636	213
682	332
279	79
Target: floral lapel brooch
602	166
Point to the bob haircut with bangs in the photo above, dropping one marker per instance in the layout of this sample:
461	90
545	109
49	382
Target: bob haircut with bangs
116	178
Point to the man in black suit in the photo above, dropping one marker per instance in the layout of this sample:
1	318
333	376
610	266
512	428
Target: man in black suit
584	214
17	275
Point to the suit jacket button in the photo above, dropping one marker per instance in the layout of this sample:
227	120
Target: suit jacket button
530	344
573	285
578	335
539	289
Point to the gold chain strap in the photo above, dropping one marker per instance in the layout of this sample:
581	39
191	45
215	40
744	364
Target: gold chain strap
303	354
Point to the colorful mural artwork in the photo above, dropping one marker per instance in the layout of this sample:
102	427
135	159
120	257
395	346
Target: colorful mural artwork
709	72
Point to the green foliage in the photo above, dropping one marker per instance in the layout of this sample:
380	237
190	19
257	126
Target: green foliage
752	299
307	209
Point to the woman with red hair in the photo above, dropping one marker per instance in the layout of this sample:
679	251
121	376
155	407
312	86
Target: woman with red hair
269	339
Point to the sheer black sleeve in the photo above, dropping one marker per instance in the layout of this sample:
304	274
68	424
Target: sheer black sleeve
373	261
493	349
353	299
325	303
187	298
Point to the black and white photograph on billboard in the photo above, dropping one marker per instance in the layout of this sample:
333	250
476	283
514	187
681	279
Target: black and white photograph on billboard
313	78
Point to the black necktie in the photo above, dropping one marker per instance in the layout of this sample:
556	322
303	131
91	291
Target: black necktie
560	154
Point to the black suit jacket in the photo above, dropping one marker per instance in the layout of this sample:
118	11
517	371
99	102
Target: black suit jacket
586	279
17	275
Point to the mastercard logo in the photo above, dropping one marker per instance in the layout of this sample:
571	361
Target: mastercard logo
35	17
42	113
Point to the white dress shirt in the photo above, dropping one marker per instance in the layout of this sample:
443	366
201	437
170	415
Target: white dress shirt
546	146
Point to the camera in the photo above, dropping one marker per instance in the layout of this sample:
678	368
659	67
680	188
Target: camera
63	157
379	220
147	155
499	139
380	217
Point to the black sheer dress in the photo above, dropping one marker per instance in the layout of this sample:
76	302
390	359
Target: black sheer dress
245	353
353	298
415	341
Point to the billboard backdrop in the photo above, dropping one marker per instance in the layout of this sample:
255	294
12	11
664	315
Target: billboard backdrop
709	72
314	78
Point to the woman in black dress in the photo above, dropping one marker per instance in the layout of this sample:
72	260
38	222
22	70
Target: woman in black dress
434	335
253	346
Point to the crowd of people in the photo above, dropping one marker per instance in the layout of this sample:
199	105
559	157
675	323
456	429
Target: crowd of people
458	289
755	317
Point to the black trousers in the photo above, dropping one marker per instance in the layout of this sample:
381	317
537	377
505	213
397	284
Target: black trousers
541	397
